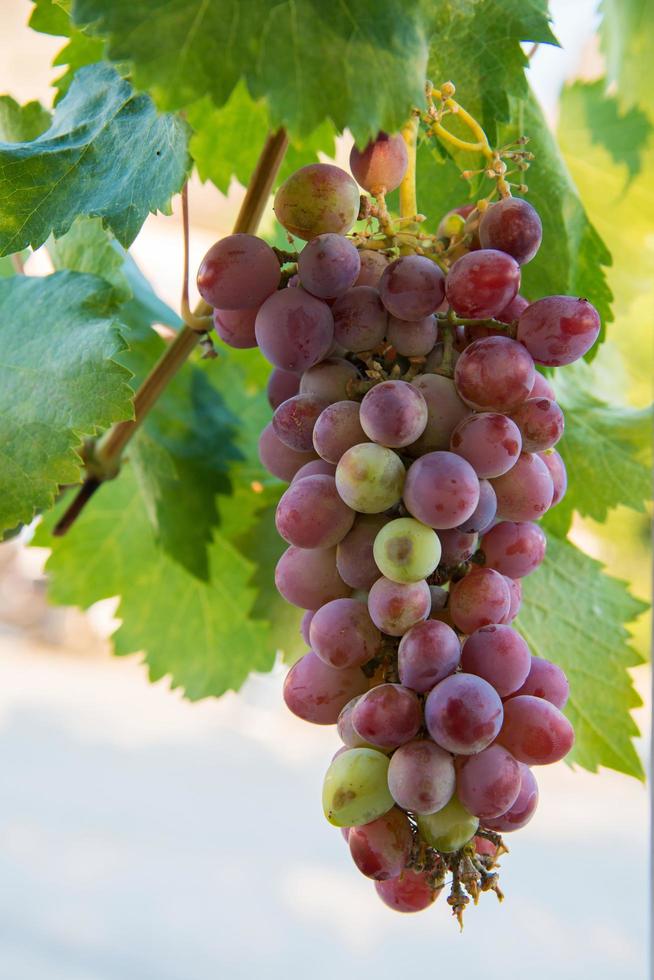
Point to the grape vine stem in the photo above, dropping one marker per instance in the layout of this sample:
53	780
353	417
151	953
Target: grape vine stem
103	458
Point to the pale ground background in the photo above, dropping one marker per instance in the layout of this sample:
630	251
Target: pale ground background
144	838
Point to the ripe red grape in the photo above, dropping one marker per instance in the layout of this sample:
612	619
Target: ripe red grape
526	491
498	654
412	287
558	330
380	167
359	319
236	327
546	680
308	577
488	783
410	892
373	263
329	379
456	546
316	692
427	653
387	716
482	598
317	199
511	312
441	490
514	548
489	441
328	265
421	776
294	420
393	414
515	588
343	634
512	226
277	458
557	471
445	411
482	283
380	849
294	330
337	429
540	421
534	731
315	467
484	513
311	513
463	714
495	374
395	607
305	624
412	338
354	555
542	388
281	385
524	807
237	273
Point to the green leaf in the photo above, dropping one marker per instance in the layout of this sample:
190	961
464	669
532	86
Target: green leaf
606	449
58	384
624	135
19	123
106	154
627	42
87	247
478	42
226	142
312	61
574	614
50	17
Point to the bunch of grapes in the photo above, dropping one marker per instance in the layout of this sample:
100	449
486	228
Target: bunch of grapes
418	440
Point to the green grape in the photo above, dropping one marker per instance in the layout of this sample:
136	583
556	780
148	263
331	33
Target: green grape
356	790
370	478
406	550
449	828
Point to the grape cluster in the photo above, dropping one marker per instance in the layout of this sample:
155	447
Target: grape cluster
418	439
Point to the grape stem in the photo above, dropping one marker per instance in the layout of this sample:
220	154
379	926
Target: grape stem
408	199
508	328
104	456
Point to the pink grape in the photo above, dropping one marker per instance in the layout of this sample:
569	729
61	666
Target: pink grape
239	272
316	199
236	327
526	491
380	167
373	263
329	379
482	283
308	577
515	589
463	714
512	226
495	374
350	738
410	892
380	849
511	312
546	680
354	555
456	546
316	692
343	634
311	513
558	330
490	442
498	654
338	429
305	624
394	608
387	716
482	598
514	548
557	471
520	813
316	467
441	490
412	338
488	783
277	458
393	414
421	776
294	330
427	653
281	385
534	731
445	411
328	265
412	287
542	388
540	421
359	319
484	513
294	420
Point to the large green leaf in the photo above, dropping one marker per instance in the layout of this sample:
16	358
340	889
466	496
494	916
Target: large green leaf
50	17
88	247
627	42
624	134
59	382
476	45
20	123
575	615
360	63
107	153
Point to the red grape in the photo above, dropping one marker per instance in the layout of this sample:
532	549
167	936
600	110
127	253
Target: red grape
498	654
354	555
308	577
456	546
412	338
239	272
521	812
277	458
484	513
395	607
329	379
387	716
421	776
294	330
410	892
393	414
316	199
489	441
236	327
557	471
311	513
373	263
427	653
514	548
463	714
316	692
380	167
441	490
412	287
294	420
482	283
281	385
534	731
359	319
558	330
338	429
512	226
526	491
495	374
546	680
445	411
343	634
488	783
328	265
380	849
540	421
315	467
482	598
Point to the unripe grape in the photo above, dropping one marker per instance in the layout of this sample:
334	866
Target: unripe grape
317	199
382	165
370	478
355	790
450	828
406	550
